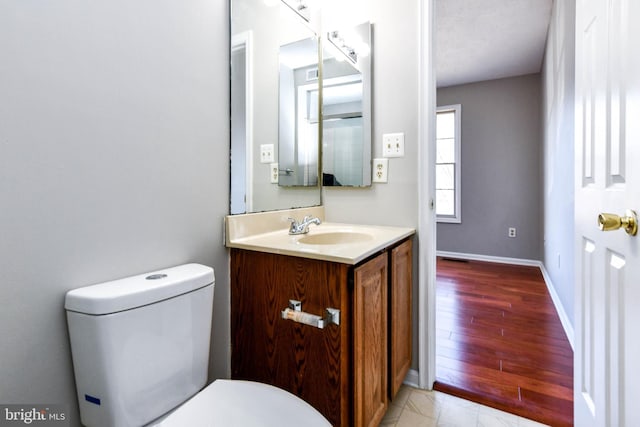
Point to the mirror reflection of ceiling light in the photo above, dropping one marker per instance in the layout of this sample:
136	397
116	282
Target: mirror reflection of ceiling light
300	7
350	47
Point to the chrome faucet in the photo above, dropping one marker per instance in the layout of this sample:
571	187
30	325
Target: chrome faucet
302	227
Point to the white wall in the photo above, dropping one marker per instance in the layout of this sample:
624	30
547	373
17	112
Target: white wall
114	139
558	124
395	58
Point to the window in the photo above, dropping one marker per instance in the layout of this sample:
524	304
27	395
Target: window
448	163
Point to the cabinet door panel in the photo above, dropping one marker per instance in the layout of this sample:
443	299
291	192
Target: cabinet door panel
370	341
401	309
309	362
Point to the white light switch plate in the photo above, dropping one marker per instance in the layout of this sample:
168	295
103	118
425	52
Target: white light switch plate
273	173
266	153
380	170
393	145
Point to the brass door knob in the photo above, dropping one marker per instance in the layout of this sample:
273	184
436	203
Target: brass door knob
608	222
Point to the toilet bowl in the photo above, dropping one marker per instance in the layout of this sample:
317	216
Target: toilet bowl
238	403
140	349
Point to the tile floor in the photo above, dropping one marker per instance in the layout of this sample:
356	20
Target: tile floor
421	408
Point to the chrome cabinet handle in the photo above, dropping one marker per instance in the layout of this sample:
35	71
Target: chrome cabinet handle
294	312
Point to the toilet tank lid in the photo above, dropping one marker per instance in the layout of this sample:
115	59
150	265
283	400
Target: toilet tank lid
136	291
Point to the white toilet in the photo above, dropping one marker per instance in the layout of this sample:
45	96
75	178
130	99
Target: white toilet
140	350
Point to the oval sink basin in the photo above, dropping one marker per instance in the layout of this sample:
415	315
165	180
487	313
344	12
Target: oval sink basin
335	238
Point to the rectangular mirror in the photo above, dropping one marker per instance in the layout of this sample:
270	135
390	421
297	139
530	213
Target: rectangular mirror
346	107
258	29
279	114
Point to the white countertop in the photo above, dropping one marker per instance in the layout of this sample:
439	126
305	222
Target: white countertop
357	242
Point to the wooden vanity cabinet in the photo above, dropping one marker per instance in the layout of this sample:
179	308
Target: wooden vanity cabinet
346	371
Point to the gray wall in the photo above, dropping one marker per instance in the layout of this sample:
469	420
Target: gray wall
114	139
558	120
500	158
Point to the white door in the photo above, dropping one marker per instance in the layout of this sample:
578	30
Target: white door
607	307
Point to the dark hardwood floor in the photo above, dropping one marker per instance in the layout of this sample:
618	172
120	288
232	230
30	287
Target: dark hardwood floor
500	341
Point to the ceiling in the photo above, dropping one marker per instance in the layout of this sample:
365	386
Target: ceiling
480	40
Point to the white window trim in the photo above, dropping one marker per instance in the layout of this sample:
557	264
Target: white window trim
457	217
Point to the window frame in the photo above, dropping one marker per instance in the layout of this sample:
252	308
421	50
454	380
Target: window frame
456	218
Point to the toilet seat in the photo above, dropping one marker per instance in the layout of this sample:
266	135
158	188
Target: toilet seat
238	403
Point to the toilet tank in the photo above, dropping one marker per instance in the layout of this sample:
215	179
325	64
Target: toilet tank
140	345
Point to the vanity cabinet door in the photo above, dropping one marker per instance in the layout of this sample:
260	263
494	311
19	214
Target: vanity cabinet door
370	341
309	362
400	315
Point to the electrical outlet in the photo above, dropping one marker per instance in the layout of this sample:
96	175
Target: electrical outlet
393	145
266	153
273	173
512	232
380	170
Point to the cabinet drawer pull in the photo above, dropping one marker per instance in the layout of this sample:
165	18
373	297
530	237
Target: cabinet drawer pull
294	312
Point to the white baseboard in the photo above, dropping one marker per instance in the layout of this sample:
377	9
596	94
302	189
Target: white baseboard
564	319
489	258
412	378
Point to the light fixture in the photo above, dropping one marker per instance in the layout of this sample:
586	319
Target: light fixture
343	45
300	7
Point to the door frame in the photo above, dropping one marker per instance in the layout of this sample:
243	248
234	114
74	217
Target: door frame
426	195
